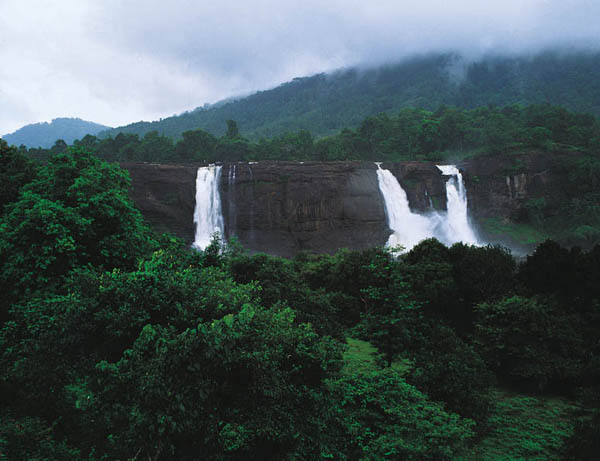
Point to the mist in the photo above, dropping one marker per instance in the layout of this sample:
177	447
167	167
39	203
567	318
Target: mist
115	62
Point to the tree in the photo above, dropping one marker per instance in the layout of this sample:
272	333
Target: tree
59	147
76	212
449	370
196	145
391	318
155	148
386	418
30	438
281	284
16	170
169	360
233	149
429	271
527	341
252	387
481	274
233	131
497	133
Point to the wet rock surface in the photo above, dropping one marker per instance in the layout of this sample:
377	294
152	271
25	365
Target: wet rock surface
282	208
286	207
500	186
166	196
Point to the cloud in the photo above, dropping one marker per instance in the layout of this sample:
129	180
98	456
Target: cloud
115	62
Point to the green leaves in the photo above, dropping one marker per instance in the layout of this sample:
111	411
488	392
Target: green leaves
226	387
386	418
112	351
16	170
529	341
76	212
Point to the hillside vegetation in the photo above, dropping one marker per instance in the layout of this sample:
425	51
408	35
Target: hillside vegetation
325	103
116	343
46	134
570	141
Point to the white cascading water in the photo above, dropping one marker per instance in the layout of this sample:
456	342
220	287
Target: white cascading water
410	228
231	200
457	222
208	216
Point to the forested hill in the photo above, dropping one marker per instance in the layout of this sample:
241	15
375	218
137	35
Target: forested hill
324	104
45	134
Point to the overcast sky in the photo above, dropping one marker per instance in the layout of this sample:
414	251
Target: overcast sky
120	61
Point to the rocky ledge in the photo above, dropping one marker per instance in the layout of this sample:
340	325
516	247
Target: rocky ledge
286	207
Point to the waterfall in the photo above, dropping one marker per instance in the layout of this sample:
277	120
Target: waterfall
251	197
410	228
208	216
431	207
457	225
231	201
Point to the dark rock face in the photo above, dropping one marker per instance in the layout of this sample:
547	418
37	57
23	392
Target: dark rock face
499	187
282	208
166	196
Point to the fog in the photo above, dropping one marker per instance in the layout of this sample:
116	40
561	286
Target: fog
116	62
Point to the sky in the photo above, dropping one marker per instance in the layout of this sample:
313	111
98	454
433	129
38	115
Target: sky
119	61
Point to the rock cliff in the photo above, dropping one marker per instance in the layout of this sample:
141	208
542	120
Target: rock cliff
284	207
166	196
500	188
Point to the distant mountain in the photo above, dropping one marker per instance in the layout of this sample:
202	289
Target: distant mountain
45	134
326	103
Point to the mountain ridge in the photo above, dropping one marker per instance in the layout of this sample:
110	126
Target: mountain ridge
45	134
325	103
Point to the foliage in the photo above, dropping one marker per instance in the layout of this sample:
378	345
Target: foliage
410	134
117	344
390	317
526	427
388	419
45	134
29	438
480	273
281	284
16	170
325	104
530	342
77	211
252	387
571	275
430	272
584	443
450	370
449	281
119	359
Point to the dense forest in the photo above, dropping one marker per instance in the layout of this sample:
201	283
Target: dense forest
117	343
571	142
326	103
412	134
